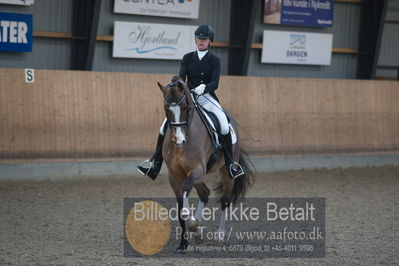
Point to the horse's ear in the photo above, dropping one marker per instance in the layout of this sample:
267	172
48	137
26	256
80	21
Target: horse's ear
163	88
180	85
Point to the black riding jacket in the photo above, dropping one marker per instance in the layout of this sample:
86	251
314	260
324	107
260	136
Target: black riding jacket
197	72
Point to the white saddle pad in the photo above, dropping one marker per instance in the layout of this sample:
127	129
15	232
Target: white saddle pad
232	132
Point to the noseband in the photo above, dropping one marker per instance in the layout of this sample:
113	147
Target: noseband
189	113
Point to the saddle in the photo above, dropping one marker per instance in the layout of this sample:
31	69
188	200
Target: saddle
212	125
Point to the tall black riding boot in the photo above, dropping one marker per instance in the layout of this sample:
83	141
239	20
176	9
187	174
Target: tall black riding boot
155	162
234	168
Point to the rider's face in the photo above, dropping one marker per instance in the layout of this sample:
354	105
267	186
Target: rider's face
202	43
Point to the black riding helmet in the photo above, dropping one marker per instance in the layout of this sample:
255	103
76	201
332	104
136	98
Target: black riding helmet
204	31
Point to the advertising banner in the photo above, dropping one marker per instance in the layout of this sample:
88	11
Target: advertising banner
15	32
162	8
296	48
18	2
156	41
316	13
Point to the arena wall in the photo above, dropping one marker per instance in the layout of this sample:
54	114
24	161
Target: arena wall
93	115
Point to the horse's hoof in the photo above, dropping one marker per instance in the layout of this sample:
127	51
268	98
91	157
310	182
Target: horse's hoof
192	224
180	251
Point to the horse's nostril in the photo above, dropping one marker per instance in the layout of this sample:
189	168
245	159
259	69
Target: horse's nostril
180	143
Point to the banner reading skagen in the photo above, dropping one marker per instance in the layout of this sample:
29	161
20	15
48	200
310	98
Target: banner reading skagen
152	41
305	48
255	228
162	8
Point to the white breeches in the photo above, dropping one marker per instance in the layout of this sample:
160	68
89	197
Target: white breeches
211	105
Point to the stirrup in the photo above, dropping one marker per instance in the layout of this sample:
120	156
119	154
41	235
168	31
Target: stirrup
149	168
238	170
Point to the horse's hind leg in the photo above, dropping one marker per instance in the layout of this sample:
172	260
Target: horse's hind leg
203	194
228	185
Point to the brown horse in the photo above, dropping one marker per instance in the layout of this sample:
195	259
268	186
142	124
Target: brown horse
186	150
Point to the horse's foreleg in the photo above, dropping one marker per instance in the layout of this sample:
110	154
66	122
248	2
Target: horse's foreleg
185	211
176	185
194	179
183	237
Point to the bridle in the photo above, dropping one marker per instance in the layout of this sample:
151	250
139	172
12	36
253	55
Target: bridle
190	109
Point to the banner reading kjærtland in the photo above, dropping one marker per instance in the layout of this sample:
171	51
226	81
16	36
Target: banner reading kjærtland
318	13
162	8
152	41
285	47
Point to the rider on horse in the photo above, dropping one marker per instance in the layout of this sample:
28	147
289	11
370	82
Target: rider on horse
202	70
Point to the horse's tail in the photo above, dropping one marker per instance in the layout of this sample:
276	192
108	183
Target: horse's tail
243	182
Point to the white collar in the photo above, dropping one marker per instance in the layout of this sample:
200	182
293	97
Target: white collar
201	54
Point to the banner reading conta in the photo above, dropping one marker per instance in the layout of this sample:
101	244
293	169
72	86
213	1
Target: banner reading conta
317	13
18	2
305	48
162	8
152	41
